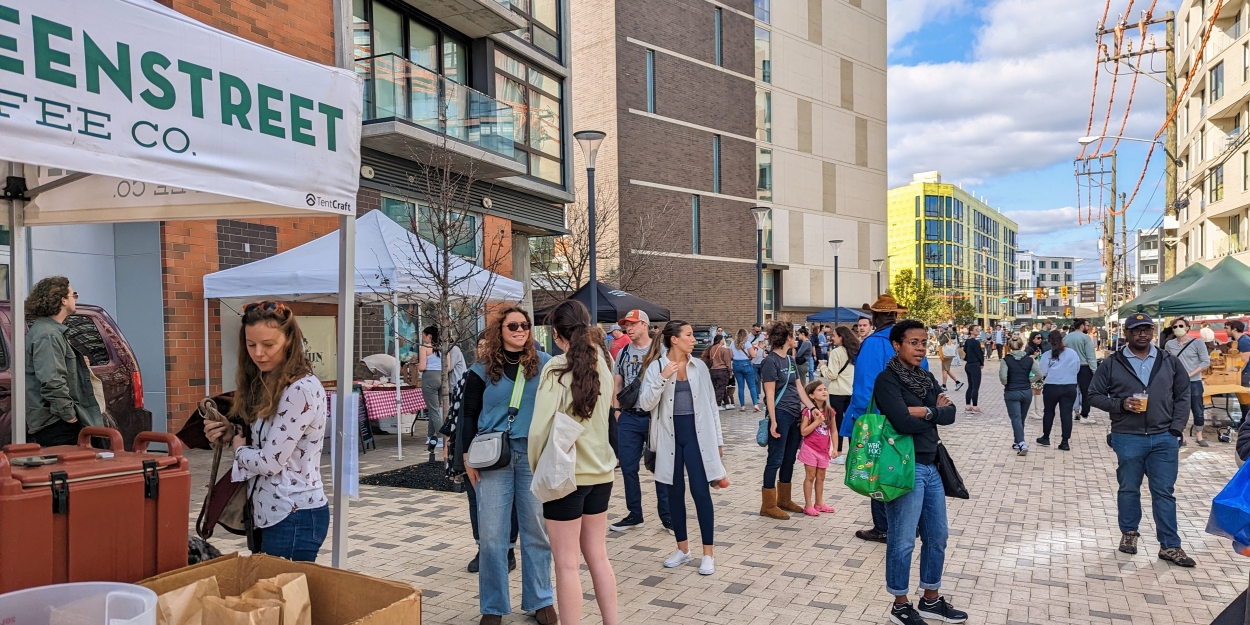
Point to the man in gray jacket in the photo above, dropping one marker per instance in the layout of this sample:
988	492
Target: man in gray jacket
1078	341
1145	432
59	398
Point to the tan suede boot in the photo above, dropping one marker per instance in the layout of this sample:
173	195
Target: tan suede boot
783	499
769	506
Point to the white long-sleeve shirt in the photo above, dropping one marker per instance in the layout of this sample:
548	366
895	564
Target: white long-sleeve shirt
1061	370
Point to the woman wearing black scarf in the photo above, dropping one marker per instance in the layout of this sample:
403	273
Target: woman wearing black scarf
911	400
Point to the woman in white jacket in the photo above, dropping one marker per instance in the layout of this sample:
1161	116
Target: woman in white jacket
685	434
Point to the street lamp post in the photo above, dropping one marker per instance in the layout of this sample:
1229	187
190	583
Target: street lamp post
589	141
761	216
837	312
876	266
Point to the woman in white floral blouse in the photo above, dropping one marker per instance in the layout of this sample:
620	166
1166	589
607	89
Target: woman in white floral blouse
285	405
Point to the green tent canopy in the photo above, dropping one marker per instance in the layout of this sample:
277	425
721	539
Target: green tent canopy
1148	301
1225	289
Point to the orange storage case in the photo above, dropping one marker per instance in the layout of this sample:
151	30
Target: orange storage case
86	518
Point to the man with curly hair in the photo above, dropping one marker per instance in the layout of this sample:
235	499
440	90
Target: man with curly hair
59	398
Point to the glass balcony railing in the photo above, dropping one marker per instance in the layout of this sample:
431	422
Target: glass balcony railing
396	88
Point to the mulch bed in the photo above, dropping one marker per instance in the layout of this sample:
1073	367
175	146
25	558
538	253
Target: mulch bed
424	476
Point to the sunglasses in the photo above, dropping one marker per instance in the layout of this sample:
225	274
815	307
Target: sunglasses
1181	326
514	326
274	307
74	295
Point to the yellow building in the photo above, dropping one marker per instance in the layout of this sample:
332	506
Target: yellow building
957	243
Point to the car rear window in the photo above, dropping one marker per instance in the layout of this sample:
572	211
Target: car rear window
83	334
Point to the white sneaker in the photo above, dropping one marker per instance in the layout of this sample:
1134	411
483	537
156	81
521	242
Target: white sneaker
678	558
840	459
440	444
707	566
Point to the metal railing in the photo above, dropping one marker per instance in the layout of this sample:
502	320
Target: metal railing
396	88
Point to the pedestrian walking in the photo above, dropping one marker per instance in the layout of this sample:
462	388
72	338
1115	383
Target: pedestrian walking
1078	340
1195	359
744	353
686	436
60	401
1033	347
430	364
874	352
499	395
840	371
948	350
1015	371
759	339
1000	339
974	361
285	409
1061	367
803	355
817	449
719	361
578	383
634	422
910	398
1146	392
785	399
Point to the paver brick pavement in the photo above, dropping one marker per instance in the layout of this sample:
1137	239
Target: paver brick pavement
1036	543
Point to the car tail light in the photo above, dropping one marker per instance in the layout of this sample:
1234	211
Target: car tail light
136	381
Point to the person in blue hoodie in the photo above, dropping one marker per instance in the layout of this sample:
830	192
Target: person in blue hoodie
874	352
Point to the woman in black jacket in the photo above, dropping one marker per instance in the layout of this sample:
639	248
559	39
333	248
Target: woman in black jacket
974	360
909	398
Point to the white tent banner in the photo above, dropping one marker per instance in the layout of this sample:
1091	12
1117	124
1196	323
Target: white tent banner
135	91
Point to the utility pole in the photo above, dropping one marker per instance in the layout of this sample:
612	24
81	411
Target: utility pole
1123	258
1167	259
1109	242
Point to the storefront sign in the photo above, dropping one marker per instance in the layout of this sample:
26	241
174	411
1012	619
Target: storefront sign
321	345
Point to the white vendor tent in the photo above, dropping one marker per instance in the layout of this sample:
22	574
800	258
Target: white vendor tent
124	110
388	267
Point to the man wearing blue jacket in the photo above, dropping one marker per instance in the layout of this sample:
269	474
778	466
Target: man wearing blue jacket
874	352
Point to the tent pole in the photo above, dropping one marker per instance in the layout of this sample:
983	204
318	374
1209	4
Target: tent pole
347	305
19	284
399	381
208	380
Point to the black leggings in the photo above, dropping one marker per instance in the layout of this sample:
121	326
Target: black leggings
839	403
974	384
1063	395
687	456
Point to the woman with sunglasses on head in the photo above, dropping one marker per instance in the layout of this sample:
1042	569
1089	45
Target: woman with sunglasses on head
285	406
579	383
499	394
1195	358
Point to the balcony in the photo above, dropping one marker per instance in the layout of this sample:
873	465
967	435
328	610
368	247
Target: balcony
417	114
474	18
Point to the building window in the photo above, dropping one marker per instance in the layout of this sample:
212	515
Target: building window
1245	62
1054	277
1054	264
1067	277
694	225
932	230
764	115
717	34
1245	171
1217	184
1067	264
379	29
461	229
764	181
933	253
1150	268
542	23
932	206
715	163
1217	82
535	101
763	54
650	81
762	10
768	294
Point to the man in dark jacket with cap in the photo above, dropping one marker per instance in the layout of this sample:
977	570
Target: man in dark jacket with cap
1145	432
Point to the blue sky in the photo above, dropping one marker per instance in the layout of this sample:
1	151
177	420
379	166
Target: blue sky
994	94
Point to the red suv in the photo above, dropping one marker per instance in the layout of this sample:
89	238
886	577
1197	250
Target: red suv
93	333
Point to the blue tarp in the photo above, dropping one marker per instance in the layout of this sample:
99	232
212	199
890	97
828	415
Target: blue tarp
844	315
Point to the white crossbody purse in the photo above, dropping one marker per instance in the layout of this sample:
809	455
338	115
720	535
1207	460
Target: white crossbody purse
493	450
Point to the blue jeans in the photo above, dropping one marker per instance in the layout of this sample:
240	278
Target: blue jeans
496	493
782	451
1018	403
298	537
512	534
631	436
1154	456
744	377
924	507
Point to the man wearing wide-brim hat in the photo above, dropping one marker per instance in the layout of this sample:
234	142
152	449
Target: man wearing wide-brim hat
874	352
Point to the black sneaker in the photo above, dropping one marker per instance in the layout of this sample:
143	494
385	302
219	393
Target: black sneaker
1076	417
668	525
871	535
1044	441
904	614
1128	543
473	564
512	559
626	524
1064	446
940	610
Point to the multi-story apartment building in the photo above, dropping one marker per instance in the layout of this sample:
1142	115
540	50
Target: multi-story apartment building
1213	144
712	108
1046	276
1146	259
954	241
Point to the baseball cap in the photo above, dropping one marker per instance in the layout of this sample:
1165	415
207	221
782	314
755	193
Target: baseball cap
614	327
1137	319
636	316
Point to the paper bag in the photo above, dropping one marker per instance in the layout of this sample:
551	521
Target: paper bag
185	605
292	590
240	611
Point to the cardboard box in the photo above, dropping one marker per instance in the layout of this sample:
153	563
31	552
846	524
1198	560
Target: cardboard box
338	597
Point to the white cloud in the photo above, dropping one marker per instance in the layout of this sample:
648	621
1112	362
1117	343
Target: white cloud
908	16
1046	221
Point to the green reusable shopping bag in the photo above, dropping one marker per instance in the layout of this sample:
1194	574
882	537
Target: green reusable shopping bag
881	463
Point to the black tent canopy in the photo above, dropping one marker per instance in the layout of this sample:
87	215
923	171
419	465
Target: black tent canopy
613	304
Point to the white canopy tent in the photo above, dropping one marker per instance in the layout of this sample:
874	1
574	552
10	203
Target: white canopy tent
104	94
387	268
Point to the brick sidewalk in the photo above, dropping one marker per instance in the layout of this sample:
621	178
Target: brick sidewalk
1035	544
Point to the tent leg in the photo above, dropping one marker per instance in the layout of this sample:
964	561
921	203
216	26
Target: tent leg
208	380
342	437
19	285
399	421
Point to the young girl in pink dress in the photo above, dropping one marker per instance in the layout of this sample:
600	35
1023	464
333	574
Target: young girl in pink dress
817	448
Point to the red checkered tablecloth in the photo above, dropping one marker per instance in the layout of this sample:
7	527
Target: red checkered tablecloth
381	403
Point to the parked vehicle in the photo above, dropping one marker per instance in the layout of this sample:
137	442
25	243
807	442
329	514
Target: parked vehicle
1217	326
95	334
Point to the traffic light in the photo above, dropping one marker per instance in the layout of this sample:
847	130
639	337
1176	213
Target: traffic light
1040	293
1063	291
1067	312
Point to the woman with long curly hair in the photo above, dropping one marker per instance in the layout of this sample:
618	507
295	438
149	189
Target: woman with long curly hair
285	406
507	364
579	383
